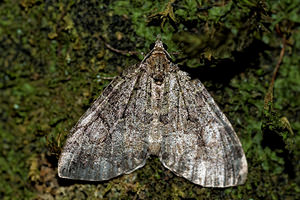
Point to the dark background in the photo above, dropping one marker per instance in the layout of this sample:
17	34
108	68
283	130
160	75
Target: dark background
57	56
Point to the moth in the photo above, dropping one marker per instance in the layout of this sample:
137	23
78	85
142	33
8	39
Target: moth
154	108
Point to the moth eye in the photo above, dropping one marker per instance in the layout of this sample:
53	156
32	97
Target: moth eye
152	46
165	46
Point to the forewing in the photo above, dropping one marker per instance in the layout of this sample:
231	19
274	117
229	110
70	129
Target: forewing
109	139
199	142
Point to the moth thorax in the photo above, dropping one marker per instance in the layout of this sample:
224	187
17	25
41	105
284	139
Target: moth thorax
158	77
159	72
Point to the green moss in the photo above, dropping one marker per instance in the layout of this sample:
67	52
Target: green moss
54	60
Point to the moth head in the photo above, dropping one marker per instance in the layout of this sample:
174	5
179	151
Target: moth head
158	45
158	49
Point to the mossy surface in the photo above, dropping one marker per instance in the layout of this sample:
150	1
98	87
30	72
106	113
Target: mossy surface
55	62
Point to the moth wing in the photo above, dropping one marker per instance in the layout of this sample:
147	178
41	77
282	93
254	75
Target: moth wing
199	142
108	140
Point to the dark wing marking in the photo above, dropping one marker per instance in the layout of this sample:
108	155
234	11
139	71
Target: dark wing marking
199	142
109	139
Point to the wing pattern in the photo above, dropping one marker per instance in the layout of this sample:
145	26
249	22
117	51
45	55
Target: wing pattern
107	141
201	145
